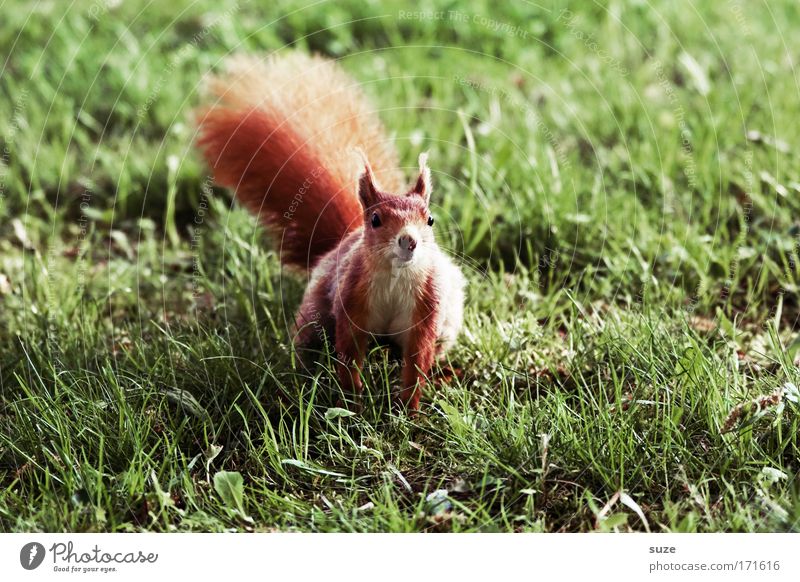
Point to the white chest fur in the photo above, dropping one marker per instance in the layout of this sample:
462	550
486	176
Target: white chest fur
393	299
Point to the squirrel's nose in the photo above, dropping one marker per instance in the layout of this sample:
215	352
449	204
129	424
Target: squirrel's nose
407	243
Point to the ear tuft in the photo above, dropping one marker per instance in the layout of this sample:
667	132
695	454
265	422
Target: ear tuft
423	185
367	189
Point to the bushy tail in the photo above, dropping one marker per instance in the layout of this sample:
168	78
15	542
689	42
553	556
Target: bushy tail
281	133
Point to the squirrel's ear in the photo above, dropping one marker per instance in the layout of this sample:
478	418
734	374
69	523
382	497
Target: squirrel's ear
367	190
423	184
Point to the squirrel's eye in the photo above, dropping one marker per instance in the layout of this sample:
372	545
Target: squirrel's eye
430	221
376	220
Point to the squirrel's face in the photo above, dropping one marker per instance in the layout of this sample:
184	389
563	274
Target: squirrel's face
398	228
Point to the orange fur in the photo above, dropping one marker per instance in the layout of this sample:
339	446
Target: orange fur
281	133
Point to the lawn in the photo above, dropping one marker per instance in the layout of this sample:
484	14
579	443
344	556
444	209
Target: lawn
620	184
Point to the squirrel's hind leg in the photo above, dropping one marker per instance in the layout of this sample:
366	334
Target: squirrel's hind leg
314	324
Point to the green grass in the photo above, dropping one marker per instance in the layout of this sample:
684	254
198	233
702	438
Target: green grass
632	258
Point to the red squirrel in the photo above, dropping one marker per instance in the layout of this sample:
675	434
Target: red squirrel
282	134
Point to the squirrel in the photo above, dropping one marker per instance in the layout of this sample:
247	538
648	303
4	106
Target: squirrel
282	134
